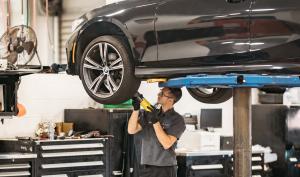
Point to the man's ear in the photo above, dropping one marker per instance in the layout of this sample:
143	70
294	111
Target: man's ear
173	101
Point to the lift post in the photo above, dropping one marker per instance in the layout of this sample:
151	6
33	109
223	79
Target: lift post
242	121
242	125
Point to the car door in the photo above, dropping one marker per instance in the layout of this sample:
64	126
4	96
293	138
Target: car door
201	31
275	31
139	20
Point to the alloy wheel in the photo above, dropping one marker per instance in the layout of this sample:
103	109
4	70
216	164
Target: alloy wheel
103	69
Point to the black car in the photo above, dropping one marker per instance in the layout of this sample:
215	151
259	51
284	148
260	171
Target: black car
114	47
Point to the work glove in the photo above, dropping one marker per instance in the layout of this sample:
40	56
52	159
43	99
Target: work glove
136	103
154	116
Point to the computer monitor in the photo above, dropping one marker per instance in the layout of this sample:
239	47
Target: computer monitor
210	118
88	119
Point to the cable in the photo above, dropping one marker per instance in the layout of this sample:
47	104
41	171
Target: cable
27	13
3	12
8	15
22	7
25	19
33	14
47	23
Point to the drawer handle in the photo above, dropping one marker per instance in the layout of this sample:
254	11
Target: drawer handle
14	166
20	173
117	173
70	154
76	164
293	159
257	167
73	146
61	175
18	156
92	175
256	159
207	167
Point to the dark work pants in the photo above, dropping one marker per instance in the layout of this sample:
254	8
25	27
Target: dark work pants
156	171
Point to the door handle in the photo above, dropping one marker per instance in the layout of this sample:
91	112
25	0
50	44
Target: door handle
235	1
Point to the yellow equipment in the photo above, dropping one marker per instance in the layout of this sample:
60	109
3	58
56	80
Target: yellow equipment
144	103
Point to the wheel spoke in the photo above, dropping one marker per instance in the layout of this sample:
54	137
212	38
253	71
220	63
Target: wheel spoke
92	62
98	79
98	83
103	52
112	82
107	85
117	67
92	67
115	62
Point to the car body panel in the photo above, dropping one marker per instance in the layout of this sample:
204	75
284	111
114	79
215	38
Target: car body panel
275	31
200	29
220	38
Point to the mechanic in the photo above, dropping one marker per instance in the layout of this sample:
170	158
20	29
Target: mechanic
159	131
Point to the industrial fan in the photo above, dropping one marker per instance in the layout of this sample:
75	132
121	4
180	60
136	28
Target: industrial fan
18	46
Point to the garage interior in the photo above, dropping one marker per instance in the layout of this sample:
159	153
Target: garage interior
50	126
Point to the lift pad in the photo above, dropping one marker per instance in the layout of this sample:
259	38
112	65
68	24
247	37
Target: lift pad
233	81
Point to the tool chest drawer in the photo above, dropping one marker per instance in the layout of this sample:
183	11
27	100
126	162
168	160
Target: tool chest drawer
92	173
258	165
208	166
72	158
16	167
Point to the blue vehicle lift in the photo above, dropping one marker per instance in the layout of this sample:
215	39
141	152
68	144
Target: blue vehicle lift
233	81
242	122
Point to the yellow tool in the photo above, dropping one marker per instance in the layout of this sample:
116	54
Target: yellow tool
144	103
157	80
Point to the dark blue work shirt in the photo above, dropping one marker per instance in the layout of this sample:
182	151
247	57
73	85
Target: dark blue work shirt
152	152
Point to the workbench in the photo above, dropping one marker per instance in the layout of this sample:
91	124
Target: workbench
217	163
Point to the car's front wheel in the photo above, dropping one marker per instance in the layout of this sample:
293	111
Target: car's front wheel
210	95
107	70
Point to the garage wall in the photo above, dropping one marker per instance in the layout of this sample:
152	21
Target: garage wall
44	47
73	9
2	17
45	97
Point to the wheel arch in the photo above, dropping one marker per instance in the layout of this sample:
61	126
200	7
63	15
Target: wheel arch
100	27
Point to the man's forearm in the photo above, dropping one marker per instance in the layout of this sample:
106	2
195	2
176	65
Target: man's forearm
165	140
133	125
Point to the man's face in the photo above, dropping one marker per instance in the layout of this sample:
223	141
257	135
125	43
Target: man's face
164	96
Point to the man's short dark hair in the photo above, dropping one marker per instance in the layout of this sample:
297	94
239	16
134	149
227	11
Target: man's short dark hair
177	93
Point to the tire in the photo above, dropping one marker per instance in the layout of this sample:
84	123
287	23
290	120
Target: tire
107	70
217	95
270	98
278	90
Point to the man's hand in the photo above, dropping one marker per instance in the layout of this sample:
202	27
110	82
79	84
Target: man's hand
136	103
154	116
